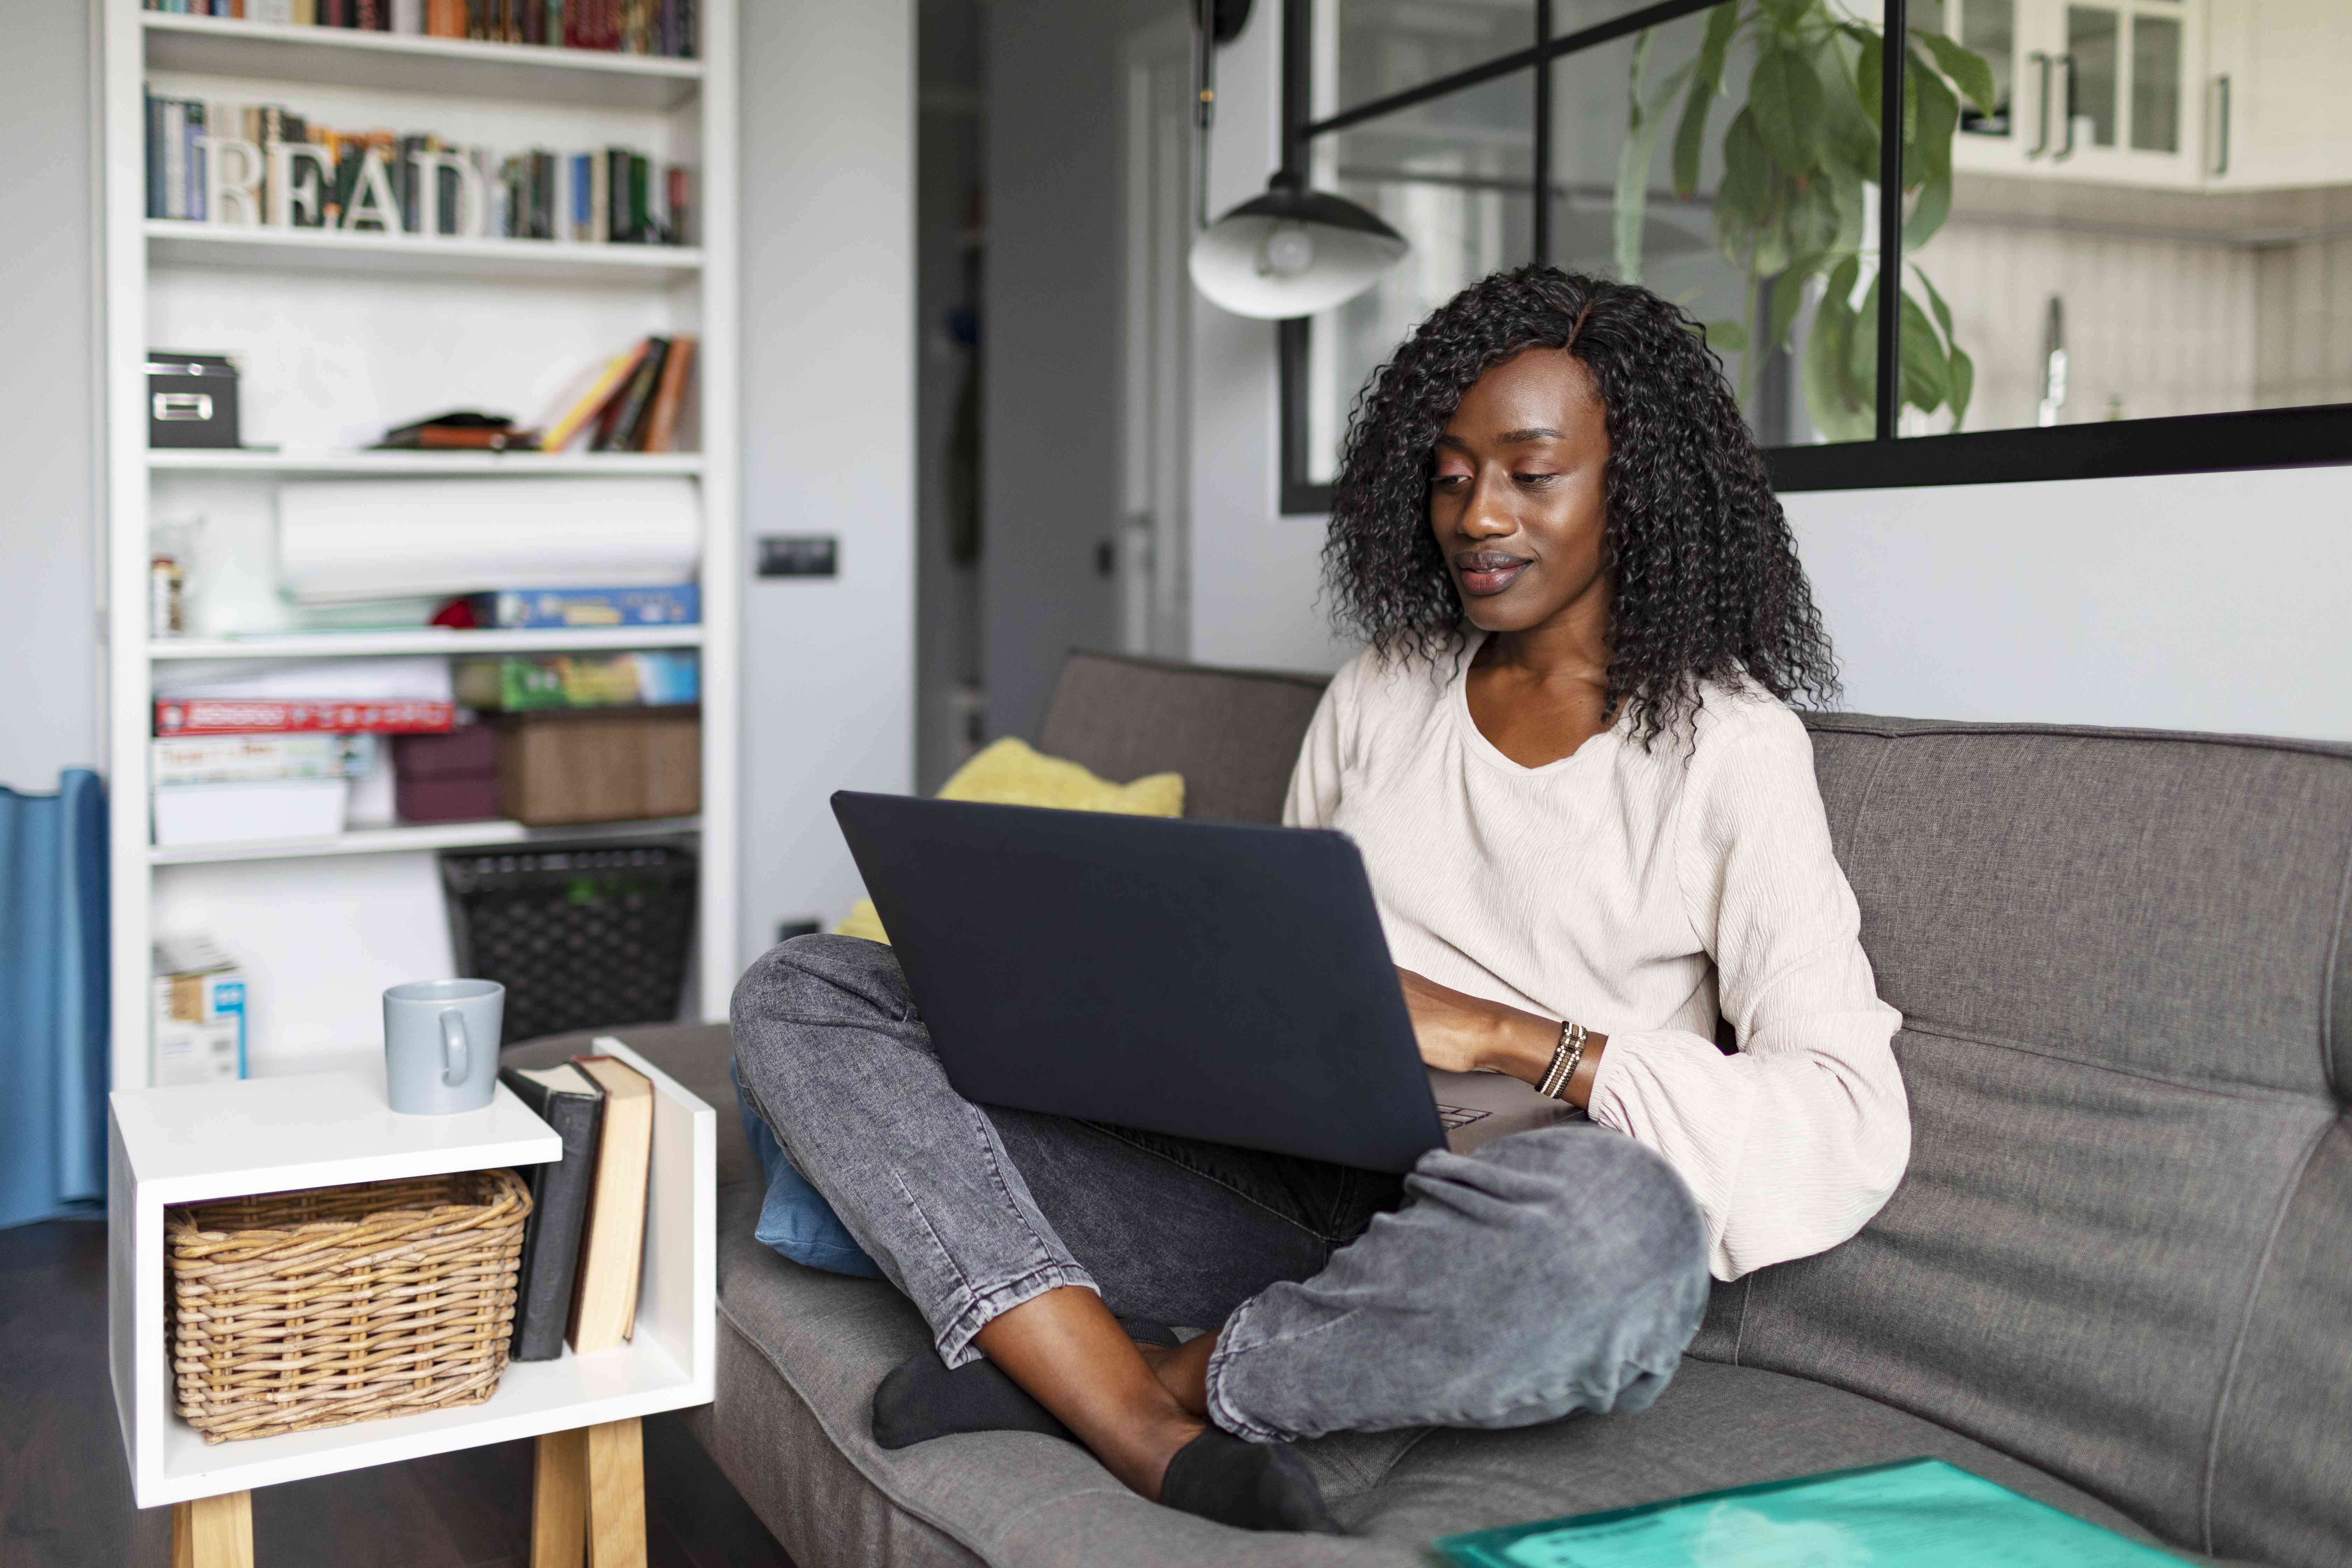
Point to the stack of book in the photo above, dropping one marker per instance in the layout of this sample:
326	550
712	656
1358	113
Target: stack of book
583	1247
374	180
667	28
276	754
628	403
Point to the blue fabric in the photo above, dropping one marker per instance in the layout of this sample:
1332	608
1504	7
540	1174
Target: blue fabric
795	1219
53	1000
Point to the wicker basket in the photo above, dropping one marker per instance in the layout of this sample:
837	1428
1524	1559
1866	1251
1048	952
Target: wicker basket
293	1310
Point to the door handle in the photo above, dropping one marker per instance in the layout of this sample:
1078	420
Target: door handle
2042	130
2066	104
2221	124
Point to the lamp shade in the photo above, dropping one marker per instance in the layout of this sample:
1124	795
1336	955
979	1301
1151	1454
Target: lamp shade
1291	252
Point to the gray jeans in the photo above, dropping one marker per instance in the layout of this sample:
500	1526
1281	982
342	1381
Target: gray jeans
1552	1271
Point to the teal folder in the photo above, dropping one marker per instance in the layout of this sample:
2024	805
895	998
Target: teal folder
1919	1514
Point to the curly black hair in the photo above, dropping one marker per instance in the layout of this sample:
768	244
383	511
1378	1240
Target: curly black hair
1705	581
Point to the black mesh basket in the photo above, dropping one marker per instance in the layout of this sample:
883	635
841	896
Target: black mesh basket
583	936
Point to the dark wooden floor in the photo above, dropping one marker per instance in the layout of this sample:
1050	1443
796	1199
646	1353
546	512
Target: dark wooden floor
65	1495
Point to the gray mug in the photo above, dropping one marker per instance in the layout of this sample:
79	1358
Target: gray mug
441	1045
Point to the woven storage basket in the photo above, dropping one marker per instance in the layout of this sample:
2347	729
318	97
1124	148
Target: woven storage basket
293	1310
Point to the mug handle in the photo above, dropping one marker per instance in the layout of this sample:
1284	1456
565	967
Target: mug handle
456	1050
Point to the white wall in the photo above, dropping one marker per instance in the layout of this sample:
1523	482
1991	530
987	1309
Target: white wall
48	416
2214	602
1254	572
2196	601
828	95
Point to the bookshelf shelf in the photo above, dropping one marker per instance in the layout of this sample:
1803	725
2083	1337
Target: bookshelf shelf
426	639
422	464
401	63
407	840
177	242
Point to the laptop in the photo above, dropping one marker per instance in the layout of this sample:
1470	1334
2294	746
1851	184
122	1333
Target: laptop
1219	981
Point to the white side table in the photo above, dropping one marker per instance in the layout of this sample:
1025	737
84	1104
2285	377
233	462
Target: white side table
268	1135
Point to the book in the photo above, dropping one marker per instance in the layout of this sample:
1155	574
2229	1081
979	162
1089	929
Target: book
1921	1513
568	1101
247	759
563	429
661	420
615	205
239	715
524	607
612	1252
616	431
460	430
524	683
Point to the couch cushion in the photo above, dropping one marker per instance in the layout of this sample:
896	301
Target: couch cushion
801	1352
2120	959
1233	733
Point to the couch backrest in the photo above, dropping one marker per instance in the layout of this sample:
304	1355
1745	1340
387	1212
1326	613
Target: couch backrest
1233	733
2123	1250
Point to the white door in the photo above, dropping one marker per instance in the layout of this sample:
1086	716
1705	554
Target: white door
1154	548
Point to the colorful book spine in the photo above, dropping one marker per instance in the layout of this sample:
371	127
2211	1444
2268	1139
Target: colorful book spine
238	715
525	683
526	607
255	758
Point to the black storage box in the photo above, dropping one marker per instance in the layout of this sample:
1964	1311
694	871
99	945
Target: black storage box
582	935
191	399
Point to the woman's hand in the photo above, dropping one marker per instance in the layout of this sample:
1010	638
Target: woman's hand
1461	1033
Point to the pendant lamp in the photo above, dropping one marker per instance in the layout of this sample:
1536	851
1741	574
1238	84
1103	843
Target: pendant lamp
1292	251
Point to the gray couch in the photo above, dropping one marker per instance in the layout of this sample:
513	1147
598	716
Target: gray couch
2118	1278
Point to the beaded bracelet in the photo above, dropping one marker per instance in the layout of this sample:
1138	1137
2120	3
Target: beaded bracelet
1566	1057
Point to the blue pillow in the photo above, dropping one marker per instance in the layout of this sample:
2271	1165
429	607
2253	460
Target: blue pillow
795	1219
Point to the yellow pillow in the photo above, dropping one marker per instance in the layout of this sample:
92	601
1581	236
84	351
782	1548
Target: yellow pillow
1011	772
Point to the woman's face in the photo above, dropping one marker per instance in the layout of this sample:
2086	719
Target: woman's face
1516	499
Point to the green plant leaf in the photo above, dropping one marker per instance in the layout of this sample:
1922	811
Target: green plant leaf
1934	301
1849	134
1928	214
1784	98
1730	336
1631	207
1970	69
1869	61
1747	187
1935	117
1964	384
1786	14
1707	85
1926	374
1788	298
1861	367
1841	410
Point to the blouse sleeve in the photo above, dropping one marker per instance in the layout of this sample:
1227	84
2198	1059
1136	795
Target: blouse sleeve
1794	1142
1315	781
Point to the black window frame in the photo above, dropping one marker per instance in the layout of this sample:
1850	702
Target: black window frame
2179	444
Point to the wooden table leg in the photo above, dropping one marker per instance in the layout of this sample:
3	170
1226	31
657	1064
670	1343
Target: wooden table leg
213	1531
616	1495
559	1499
589	1488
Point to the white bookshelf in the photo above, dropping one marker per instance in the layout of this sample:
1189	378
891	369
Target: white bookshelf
341	334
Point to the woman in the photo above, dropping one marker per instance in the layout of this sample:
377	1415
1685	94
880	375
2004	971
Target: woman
1592	828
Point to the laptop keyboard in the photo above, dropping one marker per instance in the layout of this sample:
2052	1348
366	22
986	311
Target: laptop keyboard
1459	1115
